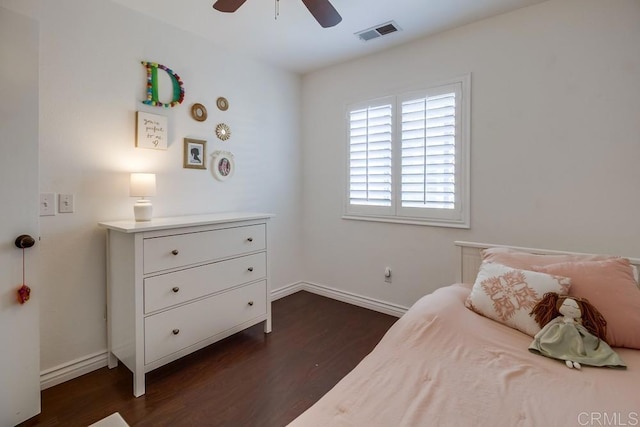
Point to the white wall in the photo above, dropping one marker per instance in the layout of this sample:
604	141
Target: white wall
555	144
91	84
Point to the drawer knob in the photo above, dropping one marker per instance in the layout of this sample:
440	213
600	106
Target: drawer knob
251	303
176	331
175	252
250	269
249	239
175	289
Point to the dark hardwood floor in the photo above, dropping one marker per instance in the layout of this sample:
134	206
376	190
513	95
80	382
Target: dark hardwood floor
248	379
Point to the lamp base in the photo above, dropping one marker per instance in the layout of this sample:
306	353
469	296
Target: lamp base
143	210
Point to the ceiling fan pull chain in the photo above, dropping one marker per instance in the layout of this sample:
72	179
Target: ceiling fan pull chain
277	5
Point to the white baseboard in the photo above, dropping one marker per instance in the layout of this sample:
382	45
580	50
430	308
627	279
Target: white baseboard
84	365
286	290
339	295
73	369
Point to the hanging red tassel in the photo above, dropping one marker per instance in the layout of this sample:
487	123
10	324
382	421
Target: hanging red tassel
24	293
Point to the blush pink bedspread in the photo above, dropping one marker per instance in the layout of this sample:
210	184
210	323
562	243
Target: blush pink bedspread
443	365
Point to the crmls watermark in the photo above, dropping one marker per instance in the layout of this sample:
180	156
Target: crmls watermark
609	419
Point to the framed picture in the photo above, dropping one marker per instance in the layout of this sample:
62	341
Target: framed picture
194	153
151	131
223	166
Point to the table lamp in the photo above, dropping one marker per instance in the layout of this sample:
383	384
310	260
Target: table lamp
142	185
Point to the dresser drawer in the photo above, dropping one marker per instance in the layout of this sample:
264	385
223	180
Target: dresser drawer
176	329
166	252
182	286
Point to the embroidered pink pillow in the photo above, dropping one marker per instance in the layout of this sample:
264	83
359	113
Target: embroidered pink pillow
610	286
507	295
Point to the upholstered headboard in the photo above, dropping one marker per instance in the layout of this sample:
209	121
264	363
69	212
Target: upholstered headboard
469	258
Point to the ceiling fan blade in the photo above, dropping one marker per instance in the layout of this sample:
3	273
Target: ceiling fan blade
228	6
324	12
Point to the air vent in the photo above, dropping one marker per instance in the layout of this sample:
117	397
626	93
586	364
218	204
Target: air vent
378	31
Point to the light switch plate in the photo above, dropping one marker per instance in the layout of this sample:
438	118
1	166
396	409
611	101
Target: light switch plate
65	203
47	204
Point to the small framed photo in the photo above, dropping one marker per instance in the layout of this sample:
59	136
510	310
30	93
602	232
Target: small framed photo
194	153
223	166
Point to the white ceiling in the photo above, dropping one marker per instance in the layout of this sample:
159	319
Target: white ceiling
296	42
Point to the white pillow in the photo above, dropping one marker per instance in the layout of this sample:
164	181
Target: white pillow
507	295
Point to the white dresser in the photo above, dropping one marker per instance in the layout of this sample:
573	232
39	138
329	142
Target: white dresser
175	285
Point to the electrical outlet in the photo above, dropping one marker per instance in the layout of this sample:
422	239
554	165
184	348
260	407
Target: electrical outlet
47	204
387	274
65	203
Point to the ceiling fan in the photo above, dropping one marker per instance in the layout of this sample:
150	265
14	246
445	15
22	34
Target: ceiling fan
324	12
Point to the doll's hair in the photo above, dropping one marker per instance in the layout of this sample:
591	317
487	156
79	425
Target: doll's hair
548	308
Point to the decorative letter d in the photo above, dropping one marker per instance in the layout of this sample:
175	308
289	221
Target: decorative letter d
152	86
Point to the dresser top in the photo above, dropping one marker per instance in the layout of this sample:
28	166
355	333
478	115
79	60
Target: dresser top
131	226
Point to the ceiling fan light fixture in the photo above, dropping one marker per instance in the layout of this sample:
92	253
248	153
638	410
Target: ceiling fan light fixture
228	6
322	10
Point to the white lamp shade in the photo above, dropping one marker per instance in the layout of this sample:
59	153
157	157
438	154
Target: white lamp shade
142	185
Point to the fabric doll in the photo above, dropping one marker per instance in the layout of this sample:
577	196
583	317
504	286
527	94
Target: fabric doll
572	330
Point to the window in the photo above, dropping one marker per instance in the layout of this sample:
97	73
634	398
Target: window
408	157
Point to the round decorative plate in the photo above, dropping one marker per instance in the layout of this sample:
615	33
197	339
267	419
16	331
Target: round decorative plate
222	103
223	132
199	112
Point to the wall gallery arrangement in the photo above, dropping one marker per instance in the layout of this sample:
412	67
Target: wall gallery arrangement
152	129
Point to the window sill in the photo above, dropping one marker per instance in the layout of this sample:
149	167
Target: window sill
410	221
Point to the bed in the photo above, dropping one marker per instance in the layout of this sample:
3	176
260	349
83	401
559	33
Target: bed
443	364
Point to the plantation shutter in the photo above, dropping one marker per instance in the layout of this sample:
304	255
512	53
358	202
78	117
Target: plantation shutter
428	171
370	159
407	158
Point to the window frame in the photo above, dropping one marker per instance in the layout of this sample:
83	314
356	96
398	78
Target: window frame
455	218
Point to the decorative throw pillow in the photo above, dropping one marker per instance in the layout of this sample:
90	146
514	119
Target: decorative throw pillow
610	287
507	295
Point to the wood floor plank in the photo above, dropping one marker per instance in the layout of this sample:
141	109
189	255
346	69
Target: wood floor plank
248	379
